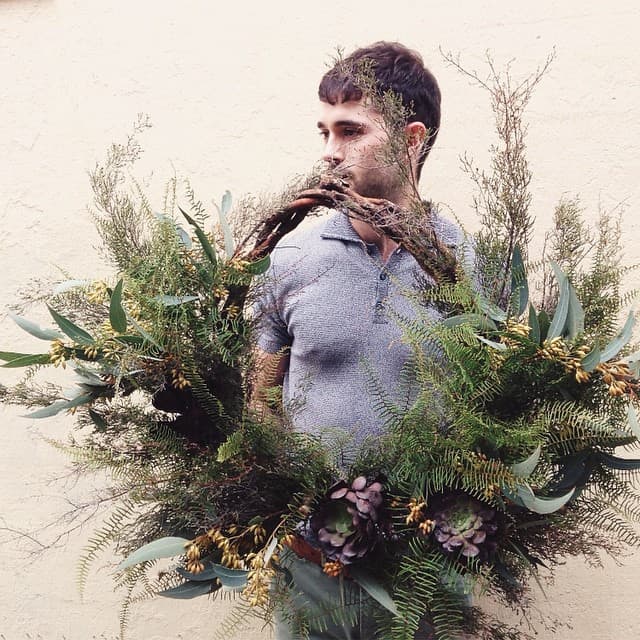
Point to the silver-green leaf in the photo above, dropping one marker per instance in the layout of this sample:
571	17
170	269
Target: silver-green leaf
34	329
162	548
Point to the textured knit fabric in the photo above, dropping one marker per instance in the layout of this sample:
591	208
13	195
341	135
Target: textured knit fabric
330	299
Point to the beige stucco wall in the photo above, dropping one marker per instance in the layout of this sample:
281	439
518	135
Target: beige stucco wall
230	88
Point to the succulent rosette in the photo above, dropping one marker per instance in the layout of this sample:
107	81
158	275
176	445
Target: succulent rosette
351	520
463	525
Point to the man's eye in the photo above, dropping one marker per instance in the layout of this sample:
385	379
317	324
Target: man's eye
351	132
323	134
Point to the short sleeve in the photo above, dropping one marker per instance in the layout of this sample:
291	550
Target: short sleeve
270	329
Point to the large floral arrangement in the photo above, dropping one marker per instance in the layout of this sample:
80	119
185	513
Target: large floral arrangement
506	461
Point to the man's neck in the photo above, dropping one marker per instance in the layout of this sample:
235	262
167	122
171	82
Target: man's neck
386	246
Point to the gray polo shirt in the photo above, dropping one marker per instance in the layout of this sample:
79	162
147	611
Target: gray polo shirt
329	298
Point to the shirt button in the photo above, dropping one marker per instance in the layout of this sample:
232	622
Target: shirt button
379	305
383	276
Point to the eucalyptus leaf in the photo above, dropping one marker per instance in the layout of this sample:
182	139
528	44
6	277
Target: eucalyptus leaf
202	237
34	329
619	464
519	284
268	552
373	588
147	336
26	360
68	285
543	322
542	505
60	405
592	359
172	301
187	590
575	315
223	210
613	348
184	237
534	324
559	320
208	575
162	548
493	311
231	578
259	266
70	329
574	324
499	346
525	468
117	316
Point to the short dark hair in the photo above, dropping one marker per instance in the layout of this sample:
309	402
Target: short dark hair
395	68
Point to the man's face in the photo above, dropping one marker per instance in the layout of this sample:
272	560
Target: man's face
356	145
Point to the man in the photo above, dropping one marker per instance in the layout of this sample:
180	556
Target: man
328	327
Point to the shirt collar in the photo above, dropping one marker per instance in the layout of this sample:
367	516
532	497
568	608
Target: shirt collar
339	227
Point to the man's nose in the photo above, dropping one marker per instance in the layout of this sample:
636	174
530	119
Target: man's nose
333	153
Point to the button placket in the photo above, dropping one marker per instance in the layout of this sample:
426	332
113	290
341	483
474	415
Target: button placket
382	291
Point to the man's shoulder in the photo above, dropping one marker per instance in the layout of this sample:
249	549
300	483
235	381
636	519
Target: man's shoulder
449	232
308	239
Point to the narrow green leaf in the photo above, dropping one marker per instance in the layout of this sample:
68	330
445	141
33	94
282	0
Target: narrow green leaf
67	285
534	325
542	505
60	405
499	346
34	329
223	210
148	337
12	355
202	237
117	316
231	578
259	266
162	548
373	588
619	341
544	323
208	575
268	552
559	321
27	360
172	301
70	329
619	464
525	468
519	284
494	312
187	590
592	359
575	315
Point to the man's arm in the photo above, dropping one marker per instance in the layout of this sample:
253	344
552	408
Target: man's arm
269	372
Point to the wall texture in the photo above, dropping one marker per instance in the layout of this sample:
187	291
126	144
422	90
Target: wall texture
230	88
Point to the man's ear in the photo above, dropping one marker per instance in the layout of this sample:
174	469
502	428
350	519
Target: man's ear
416	134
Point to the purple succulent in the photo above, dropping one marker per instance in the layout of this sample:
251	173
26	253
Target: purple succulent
464	525
350	521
